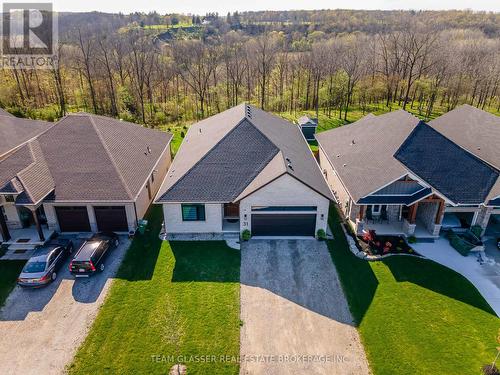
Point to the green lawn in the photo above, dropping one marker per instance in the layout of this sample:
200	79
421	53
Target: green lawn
415	316
169	299
9	271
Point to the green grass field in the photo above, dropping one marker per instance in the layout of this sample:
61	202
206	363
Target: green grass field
169	299
415	316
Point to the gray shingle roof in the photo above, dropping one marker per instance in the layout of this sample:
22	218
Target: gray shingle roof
16	131
208	160
223	173
86	158
25	171
362	152
460	176
98	158
473	129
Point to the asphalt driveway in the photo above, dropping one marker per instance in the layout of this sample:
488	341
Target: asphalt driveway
41	329
294	313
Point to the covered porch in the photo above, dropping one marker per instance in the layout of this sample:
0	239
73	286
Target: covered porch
421	219
29	230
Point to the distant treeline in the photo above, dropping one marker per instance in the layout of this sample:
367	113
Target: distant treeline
116	64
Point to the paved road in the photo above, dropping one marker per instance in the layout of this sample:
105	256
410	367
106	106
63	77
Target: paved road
41	329
293	306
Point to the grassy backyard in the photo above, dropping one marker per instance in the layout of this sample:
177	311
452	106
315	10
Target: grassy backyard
415	316
169	299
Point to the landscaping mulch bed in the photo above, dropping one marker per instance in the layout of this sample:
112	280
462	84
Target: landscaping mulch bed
382	245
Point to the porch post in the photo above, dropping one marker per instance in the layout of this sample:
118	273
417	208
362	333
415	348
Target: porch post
361	213
413	213
37	224
3	228
440	212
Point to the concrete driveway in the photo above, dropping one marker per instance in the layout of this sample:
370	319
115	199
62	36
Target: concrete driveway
41	329
484	275
295	315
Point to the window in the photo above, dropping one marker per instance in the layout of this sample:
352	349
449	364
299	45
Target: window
193	212
9	198
376	209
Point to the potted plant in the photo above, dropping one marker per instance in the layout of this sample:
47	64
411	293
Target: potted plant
246	235
321	235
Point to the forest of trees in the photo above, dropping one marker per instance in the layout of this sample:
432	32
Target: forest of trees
280	61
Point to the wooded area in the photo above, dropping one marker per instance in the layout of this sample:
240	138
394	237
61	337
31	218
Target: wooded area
287	62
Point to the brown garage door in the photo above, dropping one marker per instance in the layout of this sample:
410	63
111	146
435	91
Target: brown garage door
283	224
111	218
73	219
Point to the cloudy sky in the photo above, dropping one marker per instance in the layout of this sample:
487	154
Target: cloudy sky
223	6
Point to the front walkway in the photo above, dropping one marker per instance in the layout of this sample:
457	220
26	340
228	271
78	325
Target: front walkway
485	276
294	312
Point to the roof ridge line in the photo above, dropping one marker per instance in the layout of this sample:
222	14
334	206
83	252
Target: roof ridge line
110	157
203	157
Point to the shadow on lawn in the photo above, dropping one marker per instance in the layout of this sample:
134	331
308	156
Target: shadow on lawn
210	261
438	278
140	260
356	275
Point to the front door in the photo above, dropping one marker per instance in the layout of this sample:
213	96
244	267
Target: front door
231	210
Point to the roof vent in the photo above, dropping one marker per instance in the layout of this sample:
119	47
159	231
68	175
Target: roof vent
248	111
345	165
149	150
353	142
200	130
288	160
290	166
338	155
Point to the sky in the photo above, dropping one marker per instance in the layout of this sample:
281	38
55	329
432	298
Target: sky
223	6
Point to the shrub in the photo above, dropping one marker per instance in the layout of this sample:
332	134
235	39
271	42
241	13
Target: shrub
412	239
459	244
182	134
476	230
321	235
246	235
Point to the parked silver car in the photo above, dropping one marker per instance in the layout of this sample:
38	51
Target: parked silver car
42	267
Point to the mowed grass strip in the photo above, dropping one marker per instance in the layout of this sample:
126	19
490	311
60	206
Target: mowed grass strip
9	271
414	315
177	299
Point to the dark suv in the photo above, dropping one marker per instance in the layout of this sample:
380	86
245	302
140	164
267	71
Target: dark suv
90	256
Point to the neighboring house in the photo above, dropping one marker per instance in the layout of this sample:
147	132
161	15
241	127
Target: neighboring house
397	175
308	126
85	174
244	169
15	132
478	132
